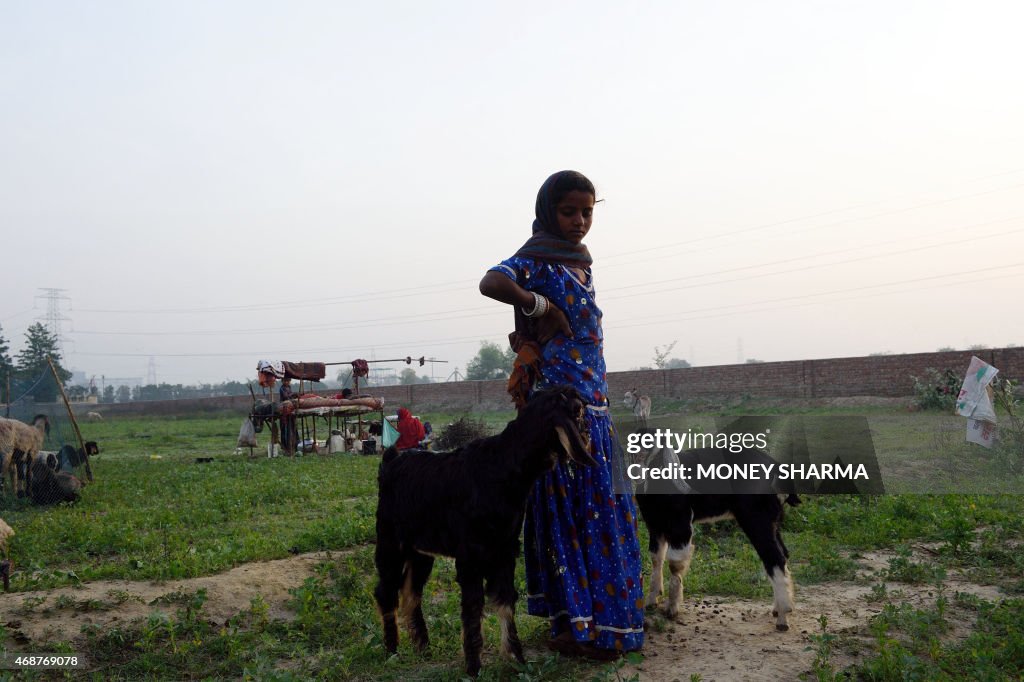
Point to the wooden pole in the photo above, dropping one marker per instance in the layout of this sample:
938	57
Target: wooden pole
74	422
359	417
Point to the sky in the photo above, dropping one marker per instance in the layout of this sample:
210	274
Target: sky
211	184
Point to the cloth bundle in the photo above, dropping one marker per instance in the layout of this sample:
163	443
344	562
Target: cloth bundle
270	371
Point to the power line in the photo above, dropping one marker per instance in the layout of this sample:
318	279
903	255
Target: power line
425	289
829	293
293	352
792	270
487	311
639	323
283	305
765	226
482	311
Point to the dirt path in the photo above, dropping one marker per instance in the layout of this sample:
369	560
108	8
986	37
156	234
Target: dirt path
717	638
735	639
110	603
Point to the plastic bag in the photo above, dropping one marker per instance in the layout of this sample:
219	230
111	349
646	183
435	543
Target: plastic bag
247	435
390	435
975	399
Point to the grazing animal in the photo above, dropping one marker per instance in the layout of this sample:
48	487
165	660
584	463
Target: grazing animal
5	566
48	457
94	416
469	504
640	404
70	456
48	486
671	508
18	444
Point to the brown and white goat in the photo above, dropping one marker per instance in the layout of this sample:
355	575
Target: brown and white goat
639	404
19	443
468	504
670	508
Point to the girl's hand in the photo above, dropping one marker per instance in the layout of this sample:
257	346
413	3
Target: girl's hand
553	322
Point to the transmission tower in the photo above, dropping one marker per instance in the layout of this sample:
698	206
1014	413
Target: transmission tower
54	316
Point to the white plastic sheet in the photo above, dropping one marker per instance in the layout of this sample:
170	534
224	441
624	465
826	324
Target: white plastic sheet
982	433
975	402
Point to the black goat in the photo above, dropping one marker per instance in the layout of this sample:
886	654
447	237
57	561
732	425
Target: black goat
48	486
469	504
70	456
671	508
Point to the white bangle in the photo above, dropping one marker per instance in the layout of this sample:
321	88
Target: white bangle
540	306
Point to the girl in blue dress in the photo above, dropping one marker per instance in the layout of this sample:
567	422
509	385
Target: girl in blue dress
582	553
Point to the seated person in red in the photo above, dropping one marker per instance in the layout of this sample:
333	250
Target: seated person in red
410	430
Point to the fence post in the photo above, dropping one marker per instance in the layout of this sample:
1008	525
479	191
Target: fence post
71	413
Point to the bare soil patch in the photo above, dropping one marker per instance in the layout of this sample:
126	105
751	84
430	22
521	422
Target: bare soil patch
716	637
735	639
37	616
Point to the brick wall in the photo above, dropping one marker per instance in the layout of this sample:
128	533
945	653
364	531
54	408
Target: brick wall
885	375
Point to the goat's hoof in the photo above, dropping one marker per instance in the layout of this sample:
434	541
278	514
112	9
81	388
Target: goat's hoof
782	627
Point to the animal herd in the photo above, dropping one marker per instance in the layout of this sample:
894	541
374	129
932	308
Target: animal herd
469	503
30	470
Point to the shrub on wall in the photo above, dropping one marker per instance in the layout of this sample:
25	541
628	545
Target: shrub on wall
936	389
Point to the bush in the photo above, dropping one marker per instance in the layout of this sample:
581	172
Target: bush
1009	448
460	432
936	389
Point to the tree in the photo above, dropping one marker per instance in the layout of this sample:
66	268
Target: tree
490	362
124	394
108	394
40	343
661	356
6	365
408	376
677	363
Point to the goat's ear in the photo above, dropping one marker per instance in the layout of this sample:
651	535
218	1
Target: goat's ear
573	446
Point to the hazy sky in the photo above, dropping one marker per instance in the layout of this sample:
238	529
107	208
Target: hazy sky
216	183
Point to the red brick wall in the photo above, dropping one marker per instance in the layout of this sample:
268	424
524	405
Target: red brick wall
885	375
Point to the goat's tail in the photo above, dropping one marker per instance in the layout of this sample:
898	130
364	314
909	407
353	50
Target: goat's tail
390	454
793	499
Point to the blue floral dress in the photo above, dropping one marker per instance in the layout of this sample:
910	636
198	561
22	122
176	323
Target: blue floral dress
582	552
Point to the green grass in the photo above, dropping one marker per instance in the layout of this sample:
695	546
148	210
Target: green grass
153	513
169	518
